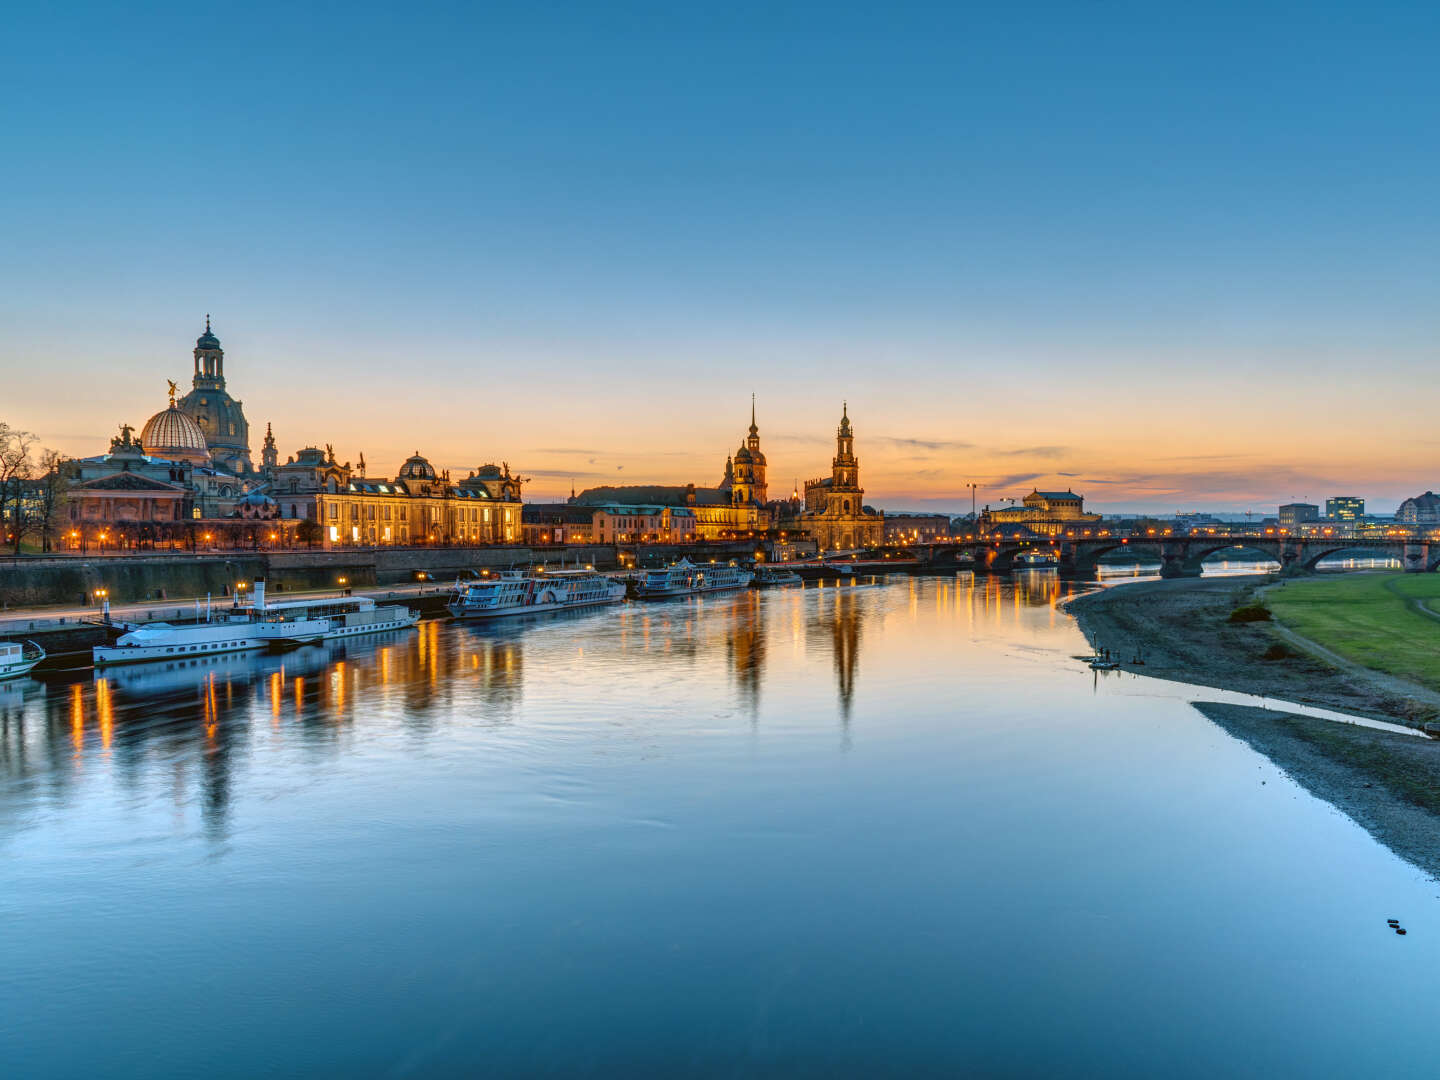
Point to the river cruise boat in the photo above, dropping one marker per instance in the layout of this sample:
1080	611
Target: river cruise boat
771	577
684	578
1034	560
539	592
17	657
257	625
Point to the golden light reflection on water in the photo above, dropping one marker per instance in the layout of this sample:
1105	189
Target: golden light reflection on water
744	645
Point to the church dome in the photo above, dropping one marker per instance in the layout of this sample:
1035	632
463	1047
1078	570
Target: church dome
743	454
207	340
417	468
172	434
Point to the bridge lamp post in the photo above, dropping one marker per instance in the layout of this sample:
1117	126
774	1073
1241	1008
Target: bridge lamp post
103	595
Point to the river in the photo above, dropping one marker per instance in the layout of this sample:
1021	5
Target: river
863	829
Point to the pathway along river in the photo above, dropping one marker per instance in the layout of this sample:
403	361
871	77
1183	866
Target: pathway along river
842	830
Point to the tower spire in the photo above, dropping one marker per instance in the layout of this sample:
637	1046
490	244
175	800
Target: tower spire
753	429
207	322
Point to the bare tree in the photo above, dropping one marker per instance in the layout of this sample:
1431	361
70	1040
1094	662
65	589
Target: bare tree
52	496
16	465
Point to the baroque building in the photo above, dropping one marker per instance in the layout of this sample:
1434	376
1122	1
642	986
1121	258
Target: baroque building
219	416
736	508
1042	513
834	511
419	506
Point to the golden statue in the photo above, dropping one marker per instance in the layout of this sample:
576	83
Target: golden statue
173	388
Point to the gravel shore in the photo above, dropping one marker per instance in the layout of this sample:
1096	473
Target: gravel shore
1387	782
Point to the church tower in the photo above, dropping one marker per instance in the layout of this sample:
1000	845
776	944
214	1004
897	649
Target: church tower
758	483
844	468
269	455
220	416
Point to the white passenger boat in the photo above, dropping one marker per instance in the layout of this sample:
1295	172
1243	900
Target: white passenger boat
257	625
684	578
18	657
525	592
1035	560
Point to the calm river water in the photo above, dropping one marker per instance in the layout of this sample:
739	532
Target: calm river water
871	829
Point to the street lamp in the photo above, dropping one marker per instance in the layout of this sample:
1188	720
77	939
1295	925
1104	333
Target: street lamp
103	595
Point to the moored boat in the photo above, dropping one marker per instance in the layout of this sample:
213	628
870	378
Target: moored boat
1035	560
770	577
18	657
684	578
257	625
539	592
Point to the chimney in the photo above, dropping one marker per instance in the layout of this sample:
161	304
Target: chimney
259	594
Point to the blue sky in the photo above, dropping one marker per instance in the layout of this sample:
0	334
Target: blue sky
1175	256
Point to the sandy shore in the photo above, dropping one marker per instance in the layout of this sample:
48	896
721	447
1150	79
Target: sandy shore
1180	629
1387	782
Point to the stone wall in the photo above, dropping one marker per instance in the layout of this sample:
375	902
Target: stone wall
28	582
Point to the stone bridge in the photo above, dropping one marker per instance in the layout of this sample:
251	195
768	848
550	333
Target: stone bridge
1178	556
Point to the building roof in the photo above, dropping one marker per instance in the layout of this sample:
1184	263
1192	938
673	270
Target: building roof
171	432
1057	496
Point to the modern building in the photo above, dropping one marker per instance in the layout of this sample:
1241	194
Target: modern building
1298	513
1344	508
1043	513
1420	510
834	511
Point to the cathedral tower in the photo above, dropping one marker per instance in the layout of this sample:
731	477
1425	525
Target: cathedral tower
844	468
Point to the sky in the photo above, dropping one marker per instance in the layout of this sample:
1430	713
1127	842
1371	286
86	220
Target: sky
1170	256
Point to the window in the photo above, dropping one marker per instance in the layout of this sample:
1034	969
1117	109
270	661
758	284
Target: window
334	511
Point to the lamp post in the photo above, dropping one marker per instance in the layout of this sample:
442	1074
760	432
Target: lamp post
344	585
103	595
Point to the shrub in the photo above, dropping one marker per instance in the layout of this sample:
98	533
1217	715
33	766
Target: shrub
1250	613
1276	652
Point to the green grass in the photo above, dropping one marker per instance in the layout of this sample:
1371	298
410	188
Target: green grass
1368	618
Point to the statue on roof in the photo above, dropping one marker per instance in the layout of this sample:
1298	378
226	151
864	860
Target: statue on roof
173	389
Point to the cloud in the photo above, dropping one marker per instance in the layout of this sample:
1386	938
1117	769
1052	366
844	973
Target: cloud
923	444
562	450
1013	478
1033	451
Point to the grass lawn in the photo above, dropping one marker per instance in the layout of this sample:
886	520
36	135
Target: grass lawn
1368	618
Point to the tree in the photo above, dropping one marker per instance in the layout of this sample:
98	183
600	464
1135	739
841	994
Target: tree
16	465
308	532
52	496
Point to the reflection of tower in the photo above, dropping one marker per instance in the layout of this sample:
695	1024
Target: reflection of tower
746	644
845	645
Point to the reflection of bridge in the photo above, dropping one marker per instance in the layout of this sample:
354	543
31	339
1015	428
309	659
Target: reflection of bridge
1178	556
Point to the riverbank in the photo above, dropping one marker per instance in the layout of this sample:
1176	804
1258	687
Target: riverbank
1386	781
1181	630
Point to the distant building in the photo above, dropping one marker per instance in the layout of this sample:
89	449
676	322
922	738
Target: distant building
1344	508
916	528
1298	513
1044	513
1420	510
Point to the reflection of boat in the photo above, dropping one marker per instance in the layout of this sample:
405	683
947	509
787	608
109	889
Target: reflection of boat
1035	560
161	676
258	626
521	592
16	658
769	577
1101	664
684	578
